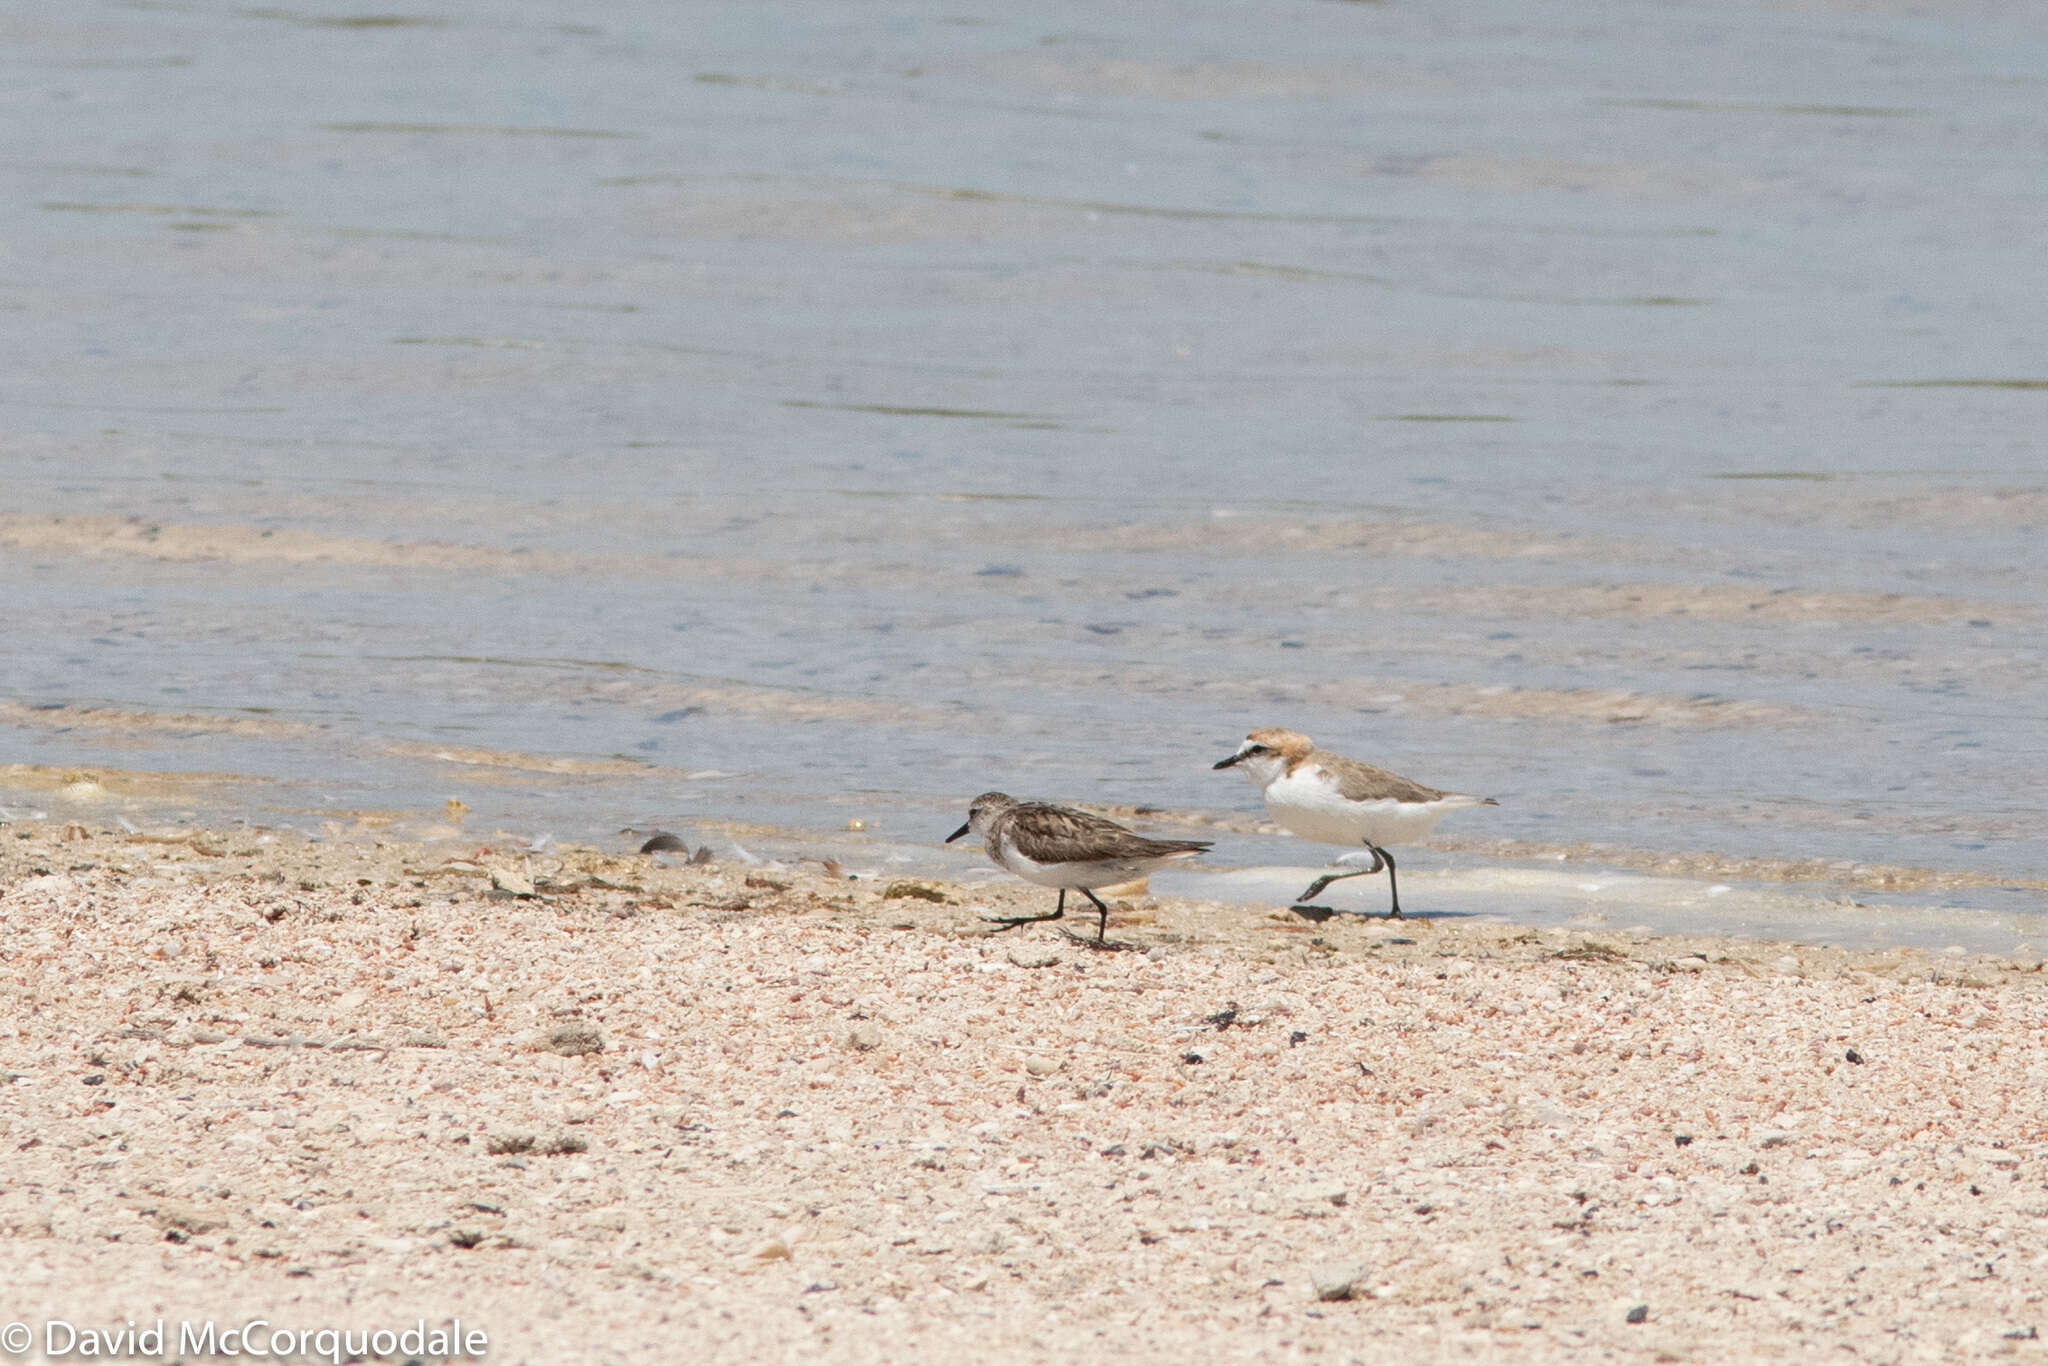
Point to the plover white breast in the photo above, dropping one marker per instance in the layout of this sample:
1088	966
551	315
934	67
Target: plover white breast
1334	800
1057	846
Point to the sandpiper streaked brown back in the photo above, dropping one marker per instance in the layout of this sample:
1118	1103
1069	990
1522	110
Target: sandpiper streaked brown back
1057	846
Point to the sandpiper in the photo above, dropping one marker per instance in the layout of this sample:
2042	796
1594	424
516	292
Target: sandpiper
1334	800
1057	846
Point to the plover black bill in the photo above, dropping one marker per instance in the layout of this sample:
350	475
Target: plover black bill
1057	846
1334	800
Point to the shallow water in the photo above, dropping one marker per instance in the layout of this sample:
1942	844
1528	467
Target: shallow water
688	412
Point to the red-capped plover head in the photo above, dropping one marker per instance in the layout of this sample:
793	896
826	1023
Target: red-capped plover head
1328	798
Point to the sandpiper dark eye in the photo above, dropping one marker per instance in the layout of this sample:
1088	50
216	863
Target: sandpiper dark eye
1256	749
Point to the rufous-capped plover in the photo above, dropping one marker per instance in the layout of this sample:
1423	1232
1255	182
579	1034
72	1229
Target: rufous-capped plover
1057	846
1325	797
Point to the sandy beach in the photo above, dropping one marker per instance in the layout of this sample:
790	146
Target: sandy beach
608	1108
426	422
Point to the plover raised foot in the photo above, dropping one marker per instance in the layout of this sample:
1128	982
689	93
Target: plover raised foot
1057	846
1334	800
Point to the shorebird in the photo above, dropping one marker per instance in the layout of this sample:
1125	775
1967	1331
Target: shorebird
1334	800
1057	846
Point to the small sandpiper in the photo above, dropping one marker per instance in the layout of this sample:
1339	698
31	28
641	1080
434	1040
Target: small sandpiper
1334	800
1057	846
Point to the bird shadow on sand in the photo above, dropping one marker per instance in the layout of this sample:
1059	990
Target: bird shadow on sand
1089	941
1318	914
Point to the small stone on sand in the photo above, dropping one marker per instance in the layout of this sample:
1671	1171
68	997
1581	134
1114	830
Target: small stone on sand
1336	1280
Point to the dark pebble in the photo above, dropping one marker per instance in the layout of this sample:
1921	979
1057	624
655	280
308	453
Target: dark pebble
1639	1314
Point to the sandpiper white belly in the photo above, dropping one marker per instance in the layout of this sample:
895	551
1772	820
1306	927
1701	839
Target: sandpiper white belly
1081	874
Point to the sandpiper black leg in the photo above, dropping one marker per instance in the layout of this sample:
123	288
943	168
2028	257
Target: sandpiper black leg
1102	916
1101	940
1012	922
1393	888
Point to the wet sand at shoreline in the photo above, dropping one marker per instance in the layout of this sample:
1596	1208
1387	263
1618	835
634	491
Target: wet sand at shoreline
606	1109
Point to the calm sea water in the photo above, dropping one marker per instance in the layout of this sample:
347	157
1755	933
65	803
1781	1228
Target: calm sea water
653	413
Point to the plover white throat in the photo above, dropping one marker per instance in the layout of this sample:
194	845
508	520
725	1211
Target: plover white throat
1334	800
1057	846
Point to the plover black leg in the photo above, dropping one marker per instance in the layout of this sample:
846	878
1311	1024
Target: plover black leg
1315	889
1393	888
1379	861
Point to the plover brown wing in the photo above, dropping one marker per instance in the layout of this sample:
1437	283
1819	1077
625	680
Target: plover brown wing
1057	846
1334	800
